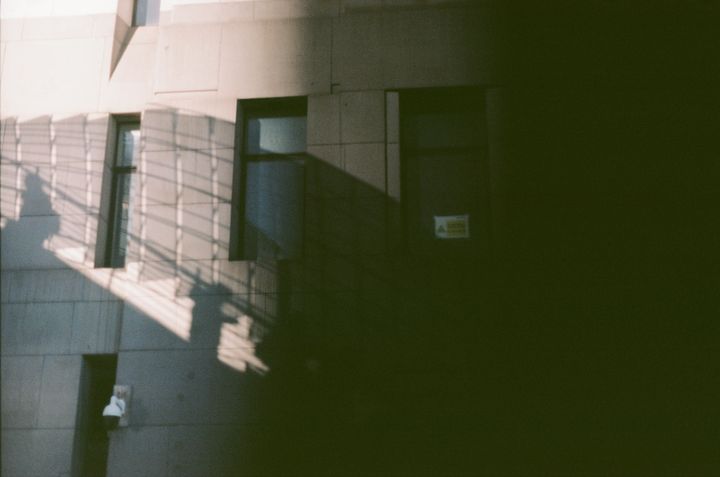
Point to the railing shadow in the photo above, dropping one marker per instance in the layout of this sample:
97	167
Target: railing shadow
355	348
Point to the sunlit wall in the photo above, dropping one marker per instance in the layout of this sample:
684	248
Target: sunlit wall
187	323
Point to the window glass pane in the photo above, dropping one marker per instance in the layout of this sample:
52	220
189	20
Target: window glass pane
121	219
128	141
441	185
274	207
147	12
443	130
276	135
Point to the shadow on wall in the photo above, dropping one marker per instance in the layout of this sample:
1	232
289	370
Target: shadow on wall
149	354
61	166
382	363
50	197
355	348
33	198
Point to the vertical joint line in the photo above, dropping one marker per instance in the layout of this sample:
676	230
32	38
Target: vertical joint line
215	202
178	196
18	172
142	173
53	162
88	187
387	200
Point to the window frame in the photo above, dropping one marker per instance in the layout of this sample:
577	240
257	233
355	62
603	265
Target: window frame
443	100
110	205
134	20
247	109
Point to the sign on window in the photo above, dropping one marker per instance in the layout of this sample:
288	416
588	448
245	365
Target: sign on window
452	226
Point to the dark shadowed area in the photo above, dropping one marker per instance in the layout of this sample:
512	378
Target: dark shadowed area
572	329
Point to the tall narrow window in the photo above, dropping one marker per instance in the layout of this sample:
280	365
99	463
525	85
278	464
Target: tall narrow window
268	220
443	152
117	204
91	440
146	12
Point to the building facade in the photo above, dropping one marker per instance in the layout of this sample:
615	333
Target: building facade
271	220
359	237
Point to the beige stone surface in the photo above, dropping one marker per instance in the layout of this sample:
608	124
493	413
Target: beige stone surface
392	117
96	327
11	195
161	226
197	174
278	58
188	58
49	28
124	10
212	12
437	47
159	128
146	34
11	29
60	388
147	460
323	119
80	137
198	234
28	9
37	328
349	6
133	63
159	175
366	162
357	52
104	25
77	188
275	9
393	171
21	286
57	76
330	154
37	452
20	386
19	252
185	77
34	140
363	116
2	62
168	129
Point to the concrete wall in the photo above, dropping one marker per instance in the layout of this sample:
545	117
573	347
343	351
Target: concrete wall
231	362
583	342
95	62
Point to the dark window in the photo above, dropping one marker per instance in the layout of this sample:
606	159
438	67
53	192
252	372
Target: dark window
146	12
268	212
443	150
117	204
91	440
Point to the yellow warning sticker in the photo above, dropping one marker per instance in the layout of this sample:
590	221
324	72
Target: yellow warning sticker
452	226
